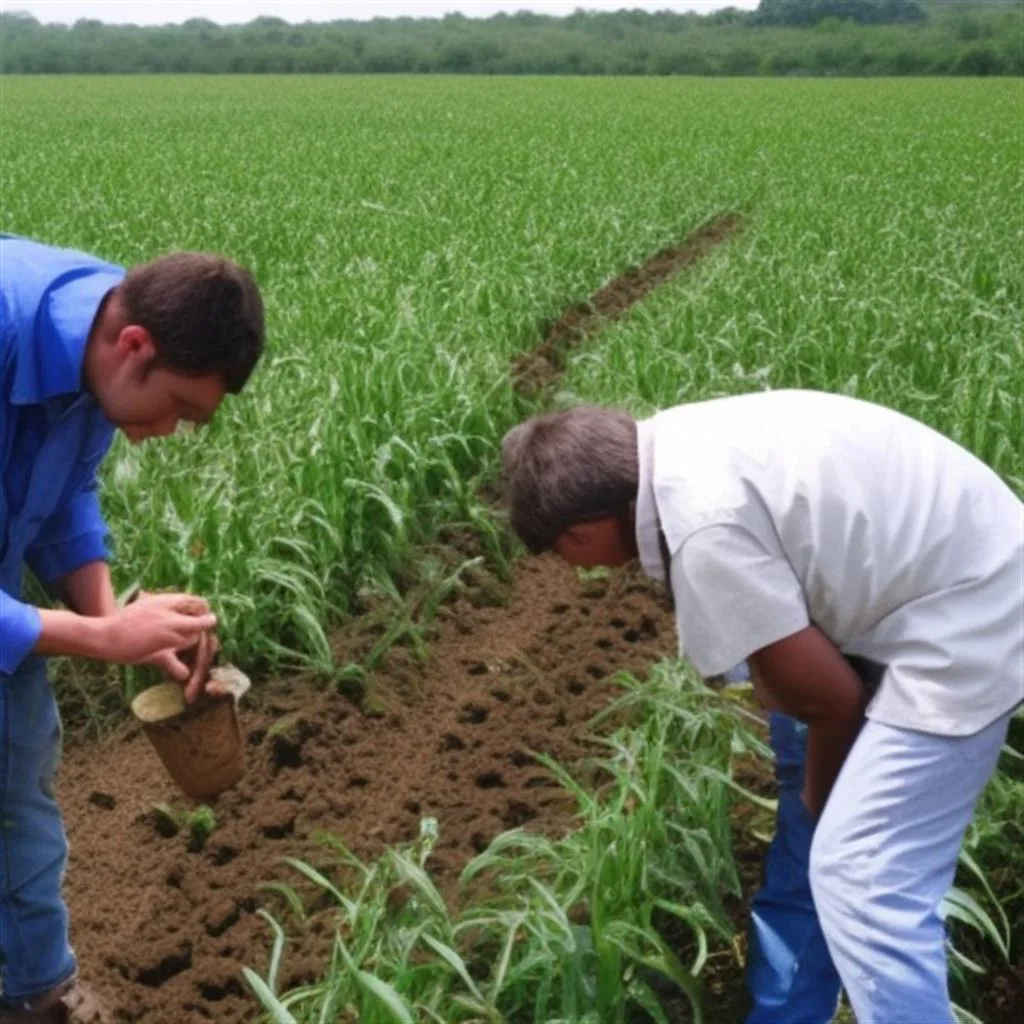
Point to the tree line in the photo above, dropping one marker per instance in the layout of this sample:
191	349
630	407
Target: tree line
782	37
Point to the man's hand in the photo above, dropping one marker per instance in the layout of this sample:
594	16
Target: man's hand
190	668
170	665
810	680
193	678
154	624
133	635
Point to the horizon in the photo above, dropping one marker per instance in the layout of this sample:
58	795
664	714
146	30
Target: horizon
298	12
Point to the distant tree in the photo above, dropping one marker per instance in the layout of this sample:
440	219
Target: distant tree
265	23
970	28
457	57
13	20
808	13
729	16
851	37
980	59
740	60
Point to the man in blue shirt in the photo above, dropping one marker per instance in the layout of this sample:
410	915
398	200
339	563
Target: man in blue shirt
86	349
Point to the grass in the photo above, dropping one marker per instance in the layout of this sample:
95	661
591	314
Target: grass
412	236
991	871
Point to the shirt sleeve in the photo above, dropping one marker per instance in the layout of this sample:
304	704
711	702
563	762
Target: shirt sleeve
72	537
20	625
733	596
20	628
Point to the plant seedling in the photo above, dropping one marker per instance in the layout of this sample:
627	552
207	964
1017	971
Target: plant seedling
199	824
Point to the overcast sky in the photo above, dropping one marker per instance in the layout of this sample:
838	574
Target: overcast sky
159	12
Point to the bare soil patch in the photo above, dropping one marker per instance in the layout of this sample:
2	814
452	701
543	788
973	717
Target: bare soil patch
162	930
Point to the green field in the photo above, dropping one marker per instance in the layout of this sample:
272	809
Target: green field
413	235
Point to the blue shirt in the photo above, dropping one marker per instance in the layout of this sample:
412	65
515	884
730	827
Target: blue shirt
53	435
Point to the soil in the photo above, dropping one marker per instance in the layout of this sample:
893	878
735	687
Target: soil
162	929
1003	1001
535	371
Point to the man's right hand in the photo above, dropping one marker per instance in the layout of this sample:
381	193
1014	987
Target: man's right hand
154	623
135	634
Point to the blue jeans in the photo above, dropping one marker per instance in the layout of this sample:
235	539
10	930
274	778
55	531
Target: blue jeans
791	976
34	952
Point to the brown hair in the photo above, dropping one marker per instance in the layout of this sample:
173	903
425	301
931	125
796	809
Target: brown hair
204	313
569	467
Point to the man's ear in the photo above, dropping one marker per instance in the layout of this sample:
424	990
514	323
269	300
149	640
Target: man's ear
136	343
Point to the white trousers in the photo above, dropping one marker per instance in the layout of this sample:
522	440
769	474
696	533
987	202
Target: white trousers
883	857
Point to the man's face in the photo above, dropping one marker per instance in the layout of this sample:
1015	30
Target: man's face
144	400
609	541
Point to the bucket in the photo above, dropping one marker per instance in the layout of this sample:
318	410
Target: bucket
200	744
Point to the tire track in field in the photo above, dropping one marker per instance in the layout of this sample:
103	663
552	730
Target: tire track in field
536	371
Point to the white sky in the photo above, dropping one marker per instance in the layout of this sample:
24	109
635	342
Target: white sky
160	12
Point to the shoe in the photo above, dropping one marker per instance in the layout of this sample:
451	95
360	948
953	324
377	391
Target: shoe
83	1006
68	1004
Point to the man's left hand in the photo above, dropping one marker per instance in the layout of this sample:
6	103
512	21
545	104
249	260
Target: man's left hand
170	665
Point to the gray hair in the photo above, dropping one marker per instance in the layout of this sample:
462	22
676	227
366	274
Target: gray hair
570	467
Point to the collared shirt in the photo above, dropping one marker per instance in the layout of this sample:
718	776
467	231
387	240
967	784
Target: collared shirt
787	508
53	435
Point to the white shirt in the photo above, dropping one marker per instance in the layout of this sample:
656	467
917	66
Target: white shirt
786	508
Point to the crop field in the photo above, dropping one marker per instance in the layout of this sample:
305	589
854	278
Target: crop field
422	245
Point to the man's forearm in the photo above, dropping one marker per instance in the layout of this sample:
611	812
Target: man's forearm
65	634
810	680
89	590
829	740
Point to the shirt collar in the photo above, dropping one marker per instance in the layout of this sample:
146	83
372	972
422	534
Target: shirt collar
648	525
52	366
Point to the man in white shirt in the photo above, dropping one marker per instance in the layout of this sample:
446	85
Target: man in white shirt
806	534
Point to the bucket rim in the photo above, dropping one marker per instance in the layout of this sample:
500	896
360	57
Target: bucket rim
173	694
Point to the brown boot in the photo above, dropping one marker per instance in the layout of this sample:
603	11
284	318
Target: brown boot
68	1004
83	1006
